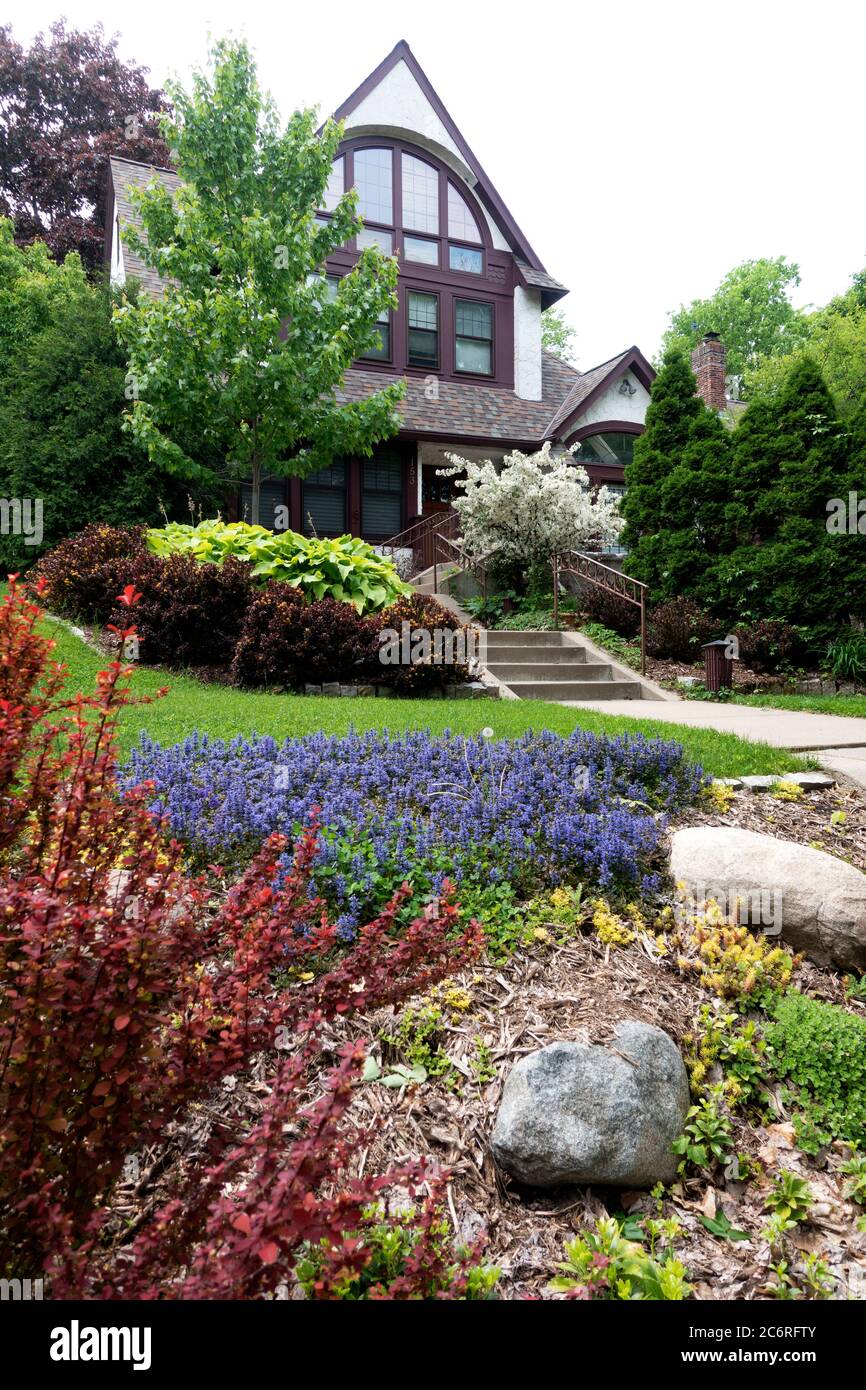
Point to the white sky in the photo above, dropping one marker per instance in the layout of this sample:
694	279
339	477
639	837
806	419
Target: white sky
644	148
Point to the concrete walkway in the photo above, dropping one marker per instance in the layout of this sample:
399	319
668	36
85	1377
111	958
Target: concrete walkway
798	730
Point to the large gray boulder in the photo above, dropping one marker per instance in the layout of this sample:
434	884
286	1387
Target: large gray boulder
815	902
585	1113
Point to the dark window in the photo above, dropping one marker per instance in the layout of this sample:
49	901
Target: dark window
373	182
272	494
382	494
473	330
324	501
465	258
382	352
423	329
614	447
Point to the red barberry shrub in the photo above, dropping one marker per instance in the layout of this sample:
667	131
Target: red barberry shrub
129	991
82	575
190	612
286	641
435	662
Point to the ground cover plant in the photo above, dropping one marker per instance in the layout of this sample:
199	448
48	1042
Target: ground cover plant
537	810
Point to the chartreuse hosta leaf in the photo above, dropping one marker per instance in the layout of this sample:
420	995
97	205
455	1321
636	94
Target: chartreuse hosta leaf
343	567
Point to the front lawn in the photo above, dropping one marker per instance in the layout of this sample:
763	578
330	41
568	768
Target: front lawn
223	712
852	705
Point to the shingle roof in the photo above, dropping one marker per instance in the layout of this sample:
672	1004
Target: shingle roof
464	408
126	174
586	382
551	289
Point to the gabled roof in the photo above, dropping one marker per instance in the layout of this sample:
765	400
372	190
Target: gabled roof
590	385
126	174
483	188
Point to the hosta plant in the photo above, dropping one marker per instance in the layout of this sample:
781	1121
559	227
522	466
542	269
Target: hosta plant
344	567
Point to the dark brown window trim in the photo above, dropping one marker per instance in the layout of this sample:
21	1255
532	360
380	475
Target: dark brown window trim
425	368
462	371
494	285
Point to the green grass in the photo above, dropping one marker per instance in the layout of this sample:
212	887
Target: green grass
224	712
852	705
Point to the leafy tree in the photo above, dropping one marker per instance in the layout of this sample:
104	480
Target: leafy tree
836	341
61	426
68	102
673	408
752	312
32	285
247	346
557	335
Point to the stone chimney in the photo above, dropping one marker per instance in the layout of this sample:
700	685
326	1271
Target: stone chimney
708	365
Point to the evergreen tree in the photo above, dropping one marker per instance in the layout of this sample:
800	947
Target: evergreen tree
673	408
696	520
791	457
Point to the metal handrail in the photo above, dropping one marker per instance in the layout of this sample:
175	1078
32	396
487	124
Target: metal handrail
421	537
585	567
467	561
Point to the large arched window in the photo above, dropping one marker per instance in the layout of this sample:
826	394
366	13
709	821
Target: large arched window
412	205
455	314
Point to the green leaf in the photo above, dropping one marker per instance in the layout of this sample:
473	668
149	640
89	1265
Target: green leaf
720	1226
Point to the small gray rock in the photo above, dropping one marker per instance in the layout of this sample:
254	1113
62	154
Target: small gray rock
330	687
384	692
348	692
312	690
759	784
811	781
366	691
688	681
583	1113
734	782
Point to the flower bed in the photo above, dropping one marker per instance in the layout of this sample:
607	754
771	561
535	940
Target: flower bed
532	812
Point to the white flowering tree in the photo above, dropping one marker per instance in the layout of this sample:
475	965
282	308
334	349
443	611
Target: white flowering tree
531	507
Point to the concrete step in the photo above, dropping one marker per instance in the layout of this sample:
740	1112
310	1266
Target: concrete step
582	671
575	690
504	638
518	655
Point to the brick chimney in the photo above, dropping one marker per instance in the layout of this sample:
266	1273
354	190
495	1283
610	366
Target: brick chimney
708	365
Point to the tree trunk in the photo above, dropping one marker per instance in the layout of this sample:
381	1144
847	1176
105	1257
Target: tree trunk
256	492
